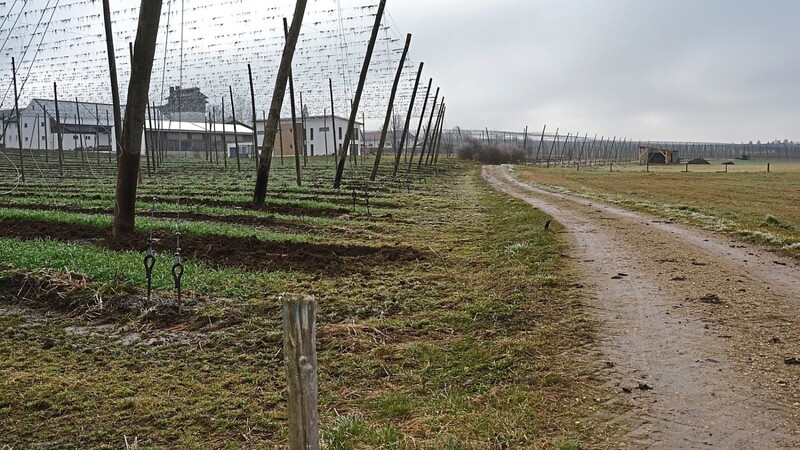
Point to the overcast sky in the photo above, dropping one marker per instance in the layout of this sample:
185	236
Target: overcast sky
701	70
644	69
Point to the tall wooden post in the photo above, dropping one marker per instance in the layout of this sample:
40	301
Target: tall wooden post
434	136
97	132
298	172
255	124
541	143
152	144
235	136
60	135
148	142
438	142
46	120
419	126
299	348
403	136
80	131
262	178
390	109
112	69
224	137
525	142
428	129
130	156
552	146
215	148
333	125
362	80
19	120
303	130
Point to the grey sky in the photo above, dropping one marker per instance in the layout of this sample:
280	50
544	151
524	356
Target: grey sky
721	70
677	69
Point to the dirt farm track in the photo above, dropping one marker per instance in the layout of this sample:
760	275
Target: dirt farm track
698	329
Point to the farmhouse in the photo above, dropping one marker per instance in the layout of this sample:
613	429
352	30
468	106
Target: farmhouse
318	133
652	155
91	125
185	104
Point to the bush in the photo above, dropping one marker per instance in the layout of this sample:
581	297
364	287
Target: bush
475	150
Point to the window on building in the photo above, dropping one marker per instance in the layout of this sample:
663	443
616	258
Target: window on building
356	134
26	125
324	129
340	133
26	139
43	138
42	123
311	137
312	149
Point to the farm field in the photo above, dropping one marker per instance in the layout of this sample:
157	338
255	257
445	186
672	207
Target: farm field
446	316
746	202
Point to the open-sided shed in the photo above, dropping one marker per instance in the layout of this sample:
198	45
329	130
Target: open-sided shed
653	155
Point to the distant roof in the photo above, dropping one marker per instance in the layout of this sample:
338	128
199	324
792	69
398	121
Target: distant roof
197	127
68	111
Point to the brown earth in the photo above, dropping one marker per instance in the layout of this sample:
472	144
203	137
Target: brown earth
247	253
270	222
698	330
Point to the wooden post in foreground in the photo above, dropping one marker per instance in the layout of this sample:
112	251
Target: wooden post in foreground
300	353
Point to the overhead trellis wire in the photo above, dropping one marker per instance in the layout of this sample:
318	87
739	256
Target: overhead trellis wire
217	40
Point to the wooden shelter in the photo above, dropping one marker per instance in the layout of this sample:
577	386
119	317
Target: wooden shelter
653	155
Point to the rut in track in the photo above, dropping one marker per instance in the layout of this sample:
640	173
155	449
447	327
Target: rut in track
695	327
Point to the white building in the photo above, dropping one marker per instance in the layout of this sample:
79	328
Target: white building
319	134
91	126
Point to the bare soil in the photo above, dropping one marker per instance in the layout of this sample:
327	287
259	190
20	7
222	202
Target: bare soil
247	253
698	330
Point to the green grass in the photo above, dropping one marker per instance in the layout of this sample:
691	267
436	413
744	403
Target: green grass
757	206
479	345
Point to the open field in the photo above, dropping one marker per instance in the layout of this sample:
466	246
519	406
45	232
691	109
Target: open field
746	201
446	320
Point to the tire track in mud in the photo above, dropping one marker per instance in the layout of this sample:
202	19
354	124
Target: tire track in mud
686	323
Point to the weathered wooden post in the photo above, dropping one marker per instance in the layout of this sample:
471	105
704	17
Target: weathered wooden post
235	136
428	129
303	130
389	109
541	143
255	125
60	136
434	136
112	66
333	126
348	136
273	122
19	122
403	136
300	353
224	137
439	138
294	115
46	121
419	125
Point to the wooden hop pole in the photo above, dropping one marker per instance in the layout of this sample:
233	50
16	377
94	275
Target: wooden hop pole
389	109
19	121
399	149
268	147
348	136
